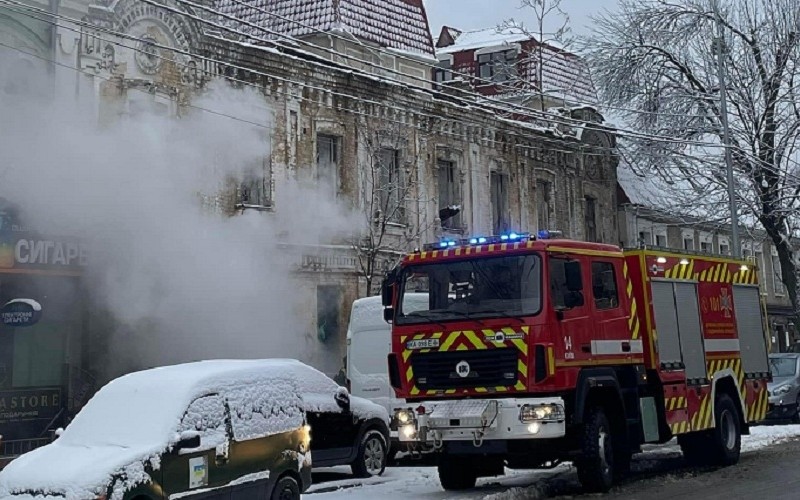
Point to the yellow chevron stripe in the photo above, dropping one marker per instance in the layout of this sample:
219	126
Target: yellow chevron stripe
764	406
450	391
476	342
480	389
632	317
703	276
414	391
462	347
521	345
636	329
629	288
525	329
522	368
519	386
448	343
551	361
409	374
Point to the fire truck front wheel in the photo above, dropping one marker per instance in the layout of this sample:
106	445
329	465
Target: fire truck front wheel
727	435
596	462
457	473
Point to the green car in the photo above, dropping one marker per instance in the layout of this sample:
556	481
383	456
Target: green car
210	430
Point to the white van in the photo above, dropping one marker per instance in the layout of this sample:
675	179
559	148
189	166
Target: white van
369	342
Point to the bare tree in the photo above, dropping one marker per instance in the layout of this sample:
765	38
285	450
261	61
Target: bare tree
656	61
551	33
390	195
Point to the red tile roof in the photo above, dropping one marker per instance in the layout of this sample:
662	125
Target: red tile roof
396	24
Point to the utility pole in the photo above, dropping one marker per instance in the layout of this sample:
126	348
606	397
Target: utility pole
719	47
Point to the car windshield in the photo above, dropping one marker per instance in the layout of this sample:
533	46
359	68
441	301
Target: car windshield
475	288
782	367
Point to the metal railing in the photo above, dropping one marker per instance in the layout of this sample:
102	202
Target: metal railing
15	448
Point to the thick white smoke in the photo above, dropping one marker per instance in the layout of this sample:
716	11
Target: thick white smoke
181	282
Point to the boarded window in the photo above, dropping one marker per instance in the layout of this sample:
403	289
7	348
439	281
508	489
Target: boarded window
449	191
499	195
328	163
543	189
391	185
591	218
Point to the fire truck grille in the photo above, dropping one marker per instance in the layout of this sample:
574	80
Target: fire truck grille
451	370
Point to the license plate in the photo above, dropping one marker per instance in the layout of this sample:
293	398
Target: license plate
422	344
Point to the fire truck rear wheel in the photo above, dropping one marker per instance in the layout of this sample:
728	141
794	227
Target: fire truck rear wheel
727	435
457	473
596	462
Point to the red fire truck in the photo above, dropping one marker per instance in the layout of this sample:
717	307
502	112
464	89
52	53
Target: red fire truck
533	351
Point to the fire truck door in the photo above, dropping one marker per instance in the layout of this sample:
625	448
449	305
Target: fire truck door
680	337
749	325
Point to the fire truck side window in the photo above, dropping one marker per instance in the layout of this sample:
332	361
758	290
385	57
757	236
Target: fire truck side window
559	291
604	285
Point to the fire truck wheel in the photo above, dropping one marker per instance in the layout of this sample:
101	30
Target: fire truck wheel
727	435
456	473
596	462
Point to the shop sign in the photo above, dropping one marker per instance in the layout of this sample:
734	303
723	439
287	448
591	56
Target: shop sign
26	250
20	312
30	404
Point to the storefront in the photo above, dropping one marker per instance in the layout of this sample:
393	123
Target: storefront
42	320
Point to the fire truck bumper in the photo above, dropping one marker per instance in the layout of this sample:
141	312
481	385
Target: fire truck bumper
433	422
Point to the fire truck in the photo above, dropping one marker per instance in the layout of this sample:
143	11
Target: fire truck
535	350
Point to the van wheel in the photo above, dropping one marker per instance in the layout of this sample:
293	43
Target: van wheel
372	455
596	462
456	473
726	437
286	489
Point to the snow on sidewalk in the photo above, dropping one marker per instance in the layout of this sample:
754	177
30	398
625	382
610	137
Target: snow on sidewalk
402	483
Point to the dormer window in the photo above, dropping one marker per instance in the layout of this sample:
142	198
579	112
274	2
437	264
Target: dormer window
443	72
498	66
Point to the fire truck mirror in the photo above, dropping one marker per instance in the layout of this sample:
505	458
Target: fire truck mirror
388	314
386	287
572	273
573	299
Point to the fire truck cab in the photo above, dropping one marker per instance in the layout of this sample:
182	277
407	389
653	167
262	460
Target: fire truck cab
533	351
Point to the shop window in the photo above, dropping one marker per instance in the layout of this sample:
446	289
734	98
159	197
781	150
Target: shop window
329	299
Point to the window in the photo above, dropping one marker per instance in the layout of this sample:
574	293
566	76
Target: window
499	195
391	185
275	407
590	217
706	242
661	240
543	204
329	302
328	164
604	285
477	288
724	245
206	415
777	277
498	66
645	237
560	294
449	192
255	190
443	72
688	239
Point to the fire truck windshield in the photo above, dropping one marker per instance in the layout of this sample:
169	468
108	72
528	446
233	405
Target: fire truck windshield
472	288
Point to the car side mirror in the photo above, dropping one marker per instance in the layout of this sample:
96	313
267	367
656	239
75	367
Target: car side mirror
188	440
342	398
388	314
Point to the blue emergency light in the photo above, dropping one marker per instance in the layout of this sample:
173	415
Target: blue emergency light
483	240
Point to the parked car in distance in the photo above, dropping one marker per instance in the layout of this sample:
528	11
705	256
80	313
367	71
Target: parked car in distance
369	342
784	390
211	429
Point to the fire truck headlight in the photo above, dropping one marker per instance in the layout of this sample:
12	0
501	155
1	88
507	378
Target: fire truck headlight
404	416
409	432
534	427
541	413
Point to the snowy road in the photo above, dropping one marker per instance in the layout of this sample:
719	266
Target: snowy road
662	462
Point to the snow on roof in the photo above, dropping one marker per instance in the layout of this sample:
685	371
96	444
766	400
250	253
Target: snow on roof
486	37
367	313
398	24
564	74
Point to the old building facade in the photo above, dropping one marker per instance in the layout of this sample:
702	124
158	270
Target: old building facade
353	112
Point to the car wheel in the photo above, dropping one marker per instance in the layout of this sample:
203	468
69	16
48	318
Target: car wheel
286	489
372	455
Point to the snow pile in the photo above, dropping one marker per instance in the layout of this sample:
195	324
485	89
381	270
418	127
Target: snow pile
135	418
763	436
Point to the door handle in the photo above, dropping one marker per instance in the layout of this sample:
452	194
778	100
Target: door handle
626	347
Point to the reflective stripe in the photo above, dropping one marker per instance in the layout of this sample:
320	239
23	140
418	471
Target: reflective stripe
721	345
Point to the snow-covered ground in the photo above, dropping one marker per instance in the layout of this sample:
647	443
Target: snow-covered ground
402	483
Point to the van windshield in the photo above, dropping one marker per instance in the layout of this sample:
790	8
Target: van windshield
474	288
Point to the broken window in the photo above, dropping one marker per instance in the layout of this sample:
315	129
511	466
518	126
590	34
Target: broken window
449	193
328	164
591	218
499	195
391	185
543	204
255	190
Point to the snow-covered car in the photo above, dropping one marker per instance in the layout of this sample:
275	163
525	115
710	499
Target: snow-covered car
211	429
345	429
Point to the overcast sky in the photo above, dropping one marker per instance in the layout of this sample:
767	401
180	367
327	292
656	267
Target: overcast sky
473	14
